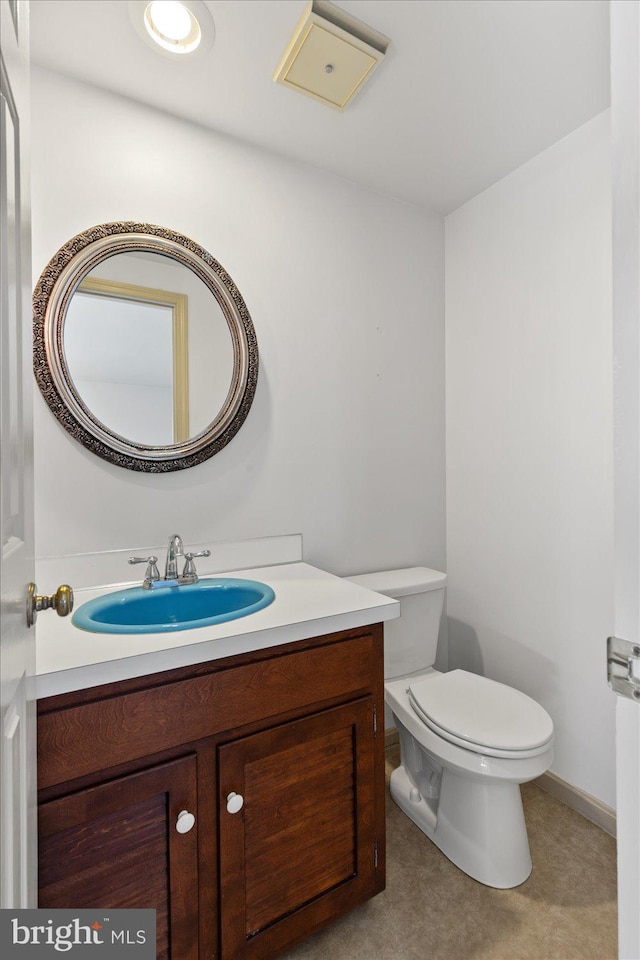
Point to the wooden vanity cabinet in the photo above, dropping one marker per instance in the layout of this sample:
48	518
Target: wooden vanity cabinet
114	845
306	844
290	730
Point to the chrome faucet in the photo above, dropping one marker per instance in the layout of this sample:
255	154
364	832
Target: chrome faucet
175	549
152	576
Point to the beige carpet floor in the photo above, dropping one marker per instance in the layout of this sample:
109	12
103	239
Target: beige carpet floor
430	910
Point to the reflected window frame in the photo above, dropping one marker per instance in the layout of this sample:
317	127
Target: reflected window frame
178	304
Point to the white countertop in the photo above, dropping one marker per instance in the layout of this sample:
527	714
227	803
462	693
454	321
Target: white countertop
309	602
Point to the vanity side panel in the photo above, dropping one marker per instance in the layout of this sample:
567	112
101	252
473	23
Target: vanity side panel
380	789
148	721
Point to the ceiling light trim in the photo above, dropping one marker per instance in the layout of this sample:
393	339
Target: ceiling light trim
184	44
198	10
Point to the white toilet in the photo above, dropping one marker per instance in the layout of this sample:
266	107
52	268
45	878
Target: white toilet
466	742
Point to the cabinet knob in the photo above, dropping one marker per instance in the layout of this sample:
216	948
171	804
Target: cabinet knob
185	821
235	802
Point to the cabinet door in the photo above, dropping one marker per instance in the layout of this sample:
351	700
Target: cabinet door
301	849
116	845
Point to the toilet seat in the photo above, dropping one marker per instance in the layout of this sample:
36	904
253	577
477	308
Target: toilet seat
481	715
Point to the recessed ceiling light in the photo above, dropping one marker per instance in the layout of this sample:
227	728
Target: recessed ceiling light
171	25
173	28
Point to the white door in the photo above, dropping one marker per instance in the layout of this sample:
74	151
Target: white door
625	102
17	643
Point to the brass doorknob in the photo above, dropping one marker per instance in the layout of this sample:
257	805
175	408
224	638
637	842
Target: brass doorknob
61	601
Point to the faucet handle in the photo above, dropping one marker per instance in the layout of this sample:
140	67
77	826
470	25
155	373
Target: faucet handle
152	573
189	572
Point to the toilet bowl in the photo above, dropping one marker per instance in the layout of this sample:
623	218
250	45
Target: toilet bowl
466	742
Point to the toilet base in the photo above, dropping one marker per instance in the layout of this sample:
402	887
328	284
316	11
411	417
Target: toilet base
479	826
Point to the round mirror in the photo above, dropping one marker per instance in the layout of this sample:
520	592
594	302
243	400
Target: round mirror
143	347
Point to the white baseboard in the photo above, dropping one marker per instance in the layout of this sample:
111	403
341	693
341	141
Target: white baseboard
583	803
391	738
590	807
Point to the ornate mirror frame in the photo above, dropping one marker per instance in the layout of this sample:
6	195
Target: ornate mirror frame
59	281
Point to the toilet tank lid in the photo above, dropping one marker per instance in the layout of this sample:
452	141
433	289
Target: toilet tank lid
402	583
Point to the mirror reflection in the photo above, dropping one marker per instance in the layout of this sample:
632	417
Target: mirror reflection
148	348
143	346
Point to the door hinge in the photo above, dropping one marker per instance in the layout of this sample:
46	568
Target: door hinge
375	720
623	667
375	854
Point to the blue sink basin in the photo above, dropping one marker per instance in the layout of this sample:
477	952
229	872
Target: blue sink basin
167	608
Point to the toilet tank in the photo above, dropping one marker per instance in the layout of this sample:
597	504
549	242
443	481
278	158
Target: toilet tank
410	642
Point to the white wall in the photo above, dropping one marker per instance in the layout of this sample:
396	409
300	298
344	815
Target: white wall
529	442
345	439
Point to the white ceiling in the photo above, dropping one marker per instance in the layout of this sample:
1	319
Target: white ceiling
469	90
